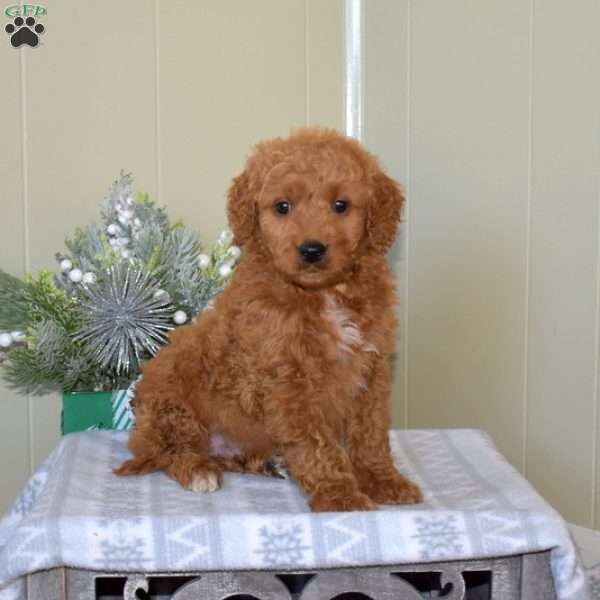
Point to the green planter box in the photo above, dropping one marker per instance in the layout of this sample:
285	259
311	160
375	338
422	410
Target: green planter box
85	411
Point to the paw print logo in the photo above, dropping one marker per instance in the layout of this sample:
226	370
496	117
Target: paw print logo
24	31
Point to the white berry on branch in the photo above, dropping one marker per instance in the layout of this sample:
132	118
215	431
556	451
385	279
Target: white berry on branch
65	264
180	317
203	261
225	270
76	275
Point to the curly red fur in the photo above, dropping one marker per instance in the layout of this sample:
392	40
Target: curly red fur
293	360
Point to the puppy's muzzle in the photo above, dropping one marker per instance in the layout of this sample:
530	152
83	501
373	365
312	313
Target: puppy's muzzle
312	251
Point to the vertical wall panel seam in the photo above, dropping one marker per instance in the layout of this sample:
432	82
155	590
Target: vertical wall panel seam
525	424
157	122
593	508
406	281
306	63
25	205
595	408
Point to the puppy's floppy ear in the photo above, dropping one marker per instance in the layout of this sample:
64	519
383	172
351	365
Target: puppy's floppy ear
385	212
241	209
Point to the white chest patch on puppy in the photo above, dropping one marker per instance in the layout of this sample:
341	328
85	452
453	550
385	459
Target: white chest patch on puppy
348	333
350	341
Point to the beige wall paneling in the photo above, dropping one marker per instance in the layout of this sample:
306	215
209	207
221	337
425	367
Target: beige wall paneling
14	419
563	366
386	133
324	44
231	74
468	217
90	111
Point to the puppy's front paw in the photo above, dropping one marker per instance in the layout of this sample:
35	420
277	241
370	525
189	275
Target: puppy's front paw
205	481
394	489
195	473
323	502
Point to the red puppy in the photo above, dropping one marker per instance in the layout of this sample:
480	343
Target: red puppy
293	360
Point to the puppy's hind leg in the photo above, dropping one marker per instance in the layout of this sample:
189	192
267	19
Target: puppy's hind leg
168	437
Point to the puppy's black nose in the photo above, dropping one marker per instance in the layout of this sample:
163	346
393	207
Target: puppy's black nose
312	251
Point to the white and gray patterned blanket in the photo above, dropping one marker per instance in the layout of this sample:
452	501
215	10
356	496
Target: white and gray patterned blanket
75	512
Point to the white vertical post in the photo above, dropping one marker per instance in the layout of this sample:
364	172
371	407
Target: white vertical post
354	70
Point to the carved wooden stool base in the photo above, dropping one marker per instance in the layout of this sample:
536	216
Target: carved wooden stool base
524	576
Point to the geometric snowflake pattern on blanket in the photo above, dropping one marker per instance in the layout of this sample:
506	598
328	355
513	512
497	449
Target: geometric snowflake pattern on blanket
282	544
75	512
437	536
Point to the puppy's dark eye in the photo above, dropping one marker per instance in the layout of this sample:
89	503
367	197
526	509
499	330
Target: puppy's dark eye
341	205
283	207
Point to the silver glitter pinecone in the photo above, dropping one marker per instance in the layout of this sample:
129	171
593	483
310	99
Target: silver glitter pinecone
123	321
